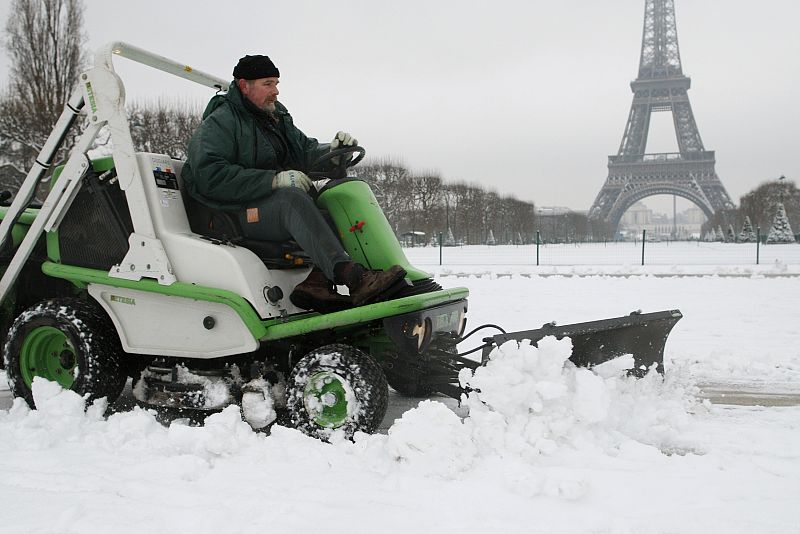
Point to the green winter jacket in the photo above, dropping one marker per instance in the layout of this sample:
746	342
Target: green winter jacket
231	160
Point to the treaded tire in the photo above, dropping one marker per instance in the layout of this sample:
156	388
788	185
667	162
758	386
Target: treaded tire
353	381
92	361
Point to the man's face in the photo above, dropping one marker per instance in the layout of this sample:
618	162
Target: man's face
262	92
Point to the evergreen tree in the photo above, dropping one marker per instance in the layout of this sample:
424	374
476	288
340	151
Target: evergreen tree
719	235
490	238
781	231
747	235
730	237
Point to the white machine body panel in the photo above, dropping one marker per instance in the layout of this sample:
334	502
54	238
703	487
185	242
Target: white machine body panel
153	323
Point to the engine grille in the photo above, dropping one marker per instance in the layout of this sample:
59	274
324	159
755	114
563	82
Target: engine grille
95	230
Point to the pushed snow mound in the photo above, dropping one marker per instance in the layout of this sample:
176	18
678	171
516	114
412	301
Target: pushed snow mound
528	405
532	400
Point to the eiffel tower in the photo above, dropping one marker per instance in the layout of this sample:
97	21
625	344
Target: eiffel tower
660	86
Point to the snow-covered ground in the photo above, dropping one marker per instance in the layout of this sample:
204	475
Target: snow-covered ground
544	447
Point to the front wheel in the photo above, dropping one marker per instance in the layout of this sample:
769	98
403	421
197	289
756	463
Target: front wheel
337	388
68	341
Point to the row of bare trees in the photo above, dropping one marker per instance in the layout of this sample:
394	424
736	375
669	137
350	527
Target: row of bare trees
423	202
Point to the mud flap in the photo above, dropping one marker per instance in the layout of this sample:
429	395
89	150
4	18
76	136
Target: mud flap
641	334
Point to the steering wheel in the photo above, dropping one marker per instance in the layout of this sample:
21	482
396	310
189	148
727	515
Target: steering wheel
340	170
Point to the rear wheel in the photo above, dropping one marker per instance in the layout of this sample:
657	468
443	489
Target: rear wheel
337	387
68	341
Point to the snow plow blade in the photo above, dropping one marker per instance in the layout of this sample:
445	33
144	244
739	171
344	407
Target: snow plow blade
641	334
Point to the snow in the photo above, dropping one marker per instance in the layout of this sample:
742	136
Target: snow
543	447
258	406
216	392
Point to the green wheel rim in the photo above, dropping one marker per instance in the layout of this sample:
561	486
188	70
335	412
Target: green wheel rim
325	399
48	353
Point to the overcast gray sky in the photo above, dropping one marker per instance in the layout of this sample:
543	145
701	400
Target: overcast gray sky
525	97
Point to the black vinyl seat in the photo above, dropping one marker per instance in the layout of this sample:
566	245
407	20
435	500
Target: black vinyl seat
223	227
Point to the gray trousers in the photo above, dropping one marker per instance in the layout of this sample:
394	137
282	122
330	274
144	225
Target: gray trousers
290	213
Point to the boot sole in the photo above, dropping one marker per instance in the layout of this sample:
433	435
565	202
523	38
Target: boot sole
395	286
307	302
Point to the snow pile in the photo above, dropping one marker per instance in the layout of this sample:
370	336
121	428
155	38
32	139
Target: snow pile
530	403
3	381
62	417
527	402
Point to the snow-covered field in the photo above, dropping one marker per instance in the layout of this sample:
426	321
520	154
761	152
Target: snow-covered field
544	447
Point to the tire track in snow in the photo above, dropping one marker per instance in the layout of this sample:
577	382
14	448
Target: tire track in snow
744	394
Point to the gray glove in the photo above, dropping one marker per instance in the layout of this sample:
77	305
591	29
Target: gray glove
342	139
291	179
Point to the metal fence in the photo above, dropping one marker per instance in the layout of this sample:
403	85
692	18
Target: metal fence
612	253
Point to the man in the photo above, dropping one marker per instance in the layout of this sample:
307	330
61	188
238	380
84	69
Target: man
247	157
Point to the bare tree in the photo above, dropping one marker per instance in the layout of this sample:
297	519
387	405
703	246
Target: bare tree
452	195
163	127
44	40
520	220
426	189
473	215
391	183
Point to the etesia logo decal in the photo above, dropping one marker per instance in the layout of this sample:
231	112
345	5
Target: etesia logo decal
92	102
123	300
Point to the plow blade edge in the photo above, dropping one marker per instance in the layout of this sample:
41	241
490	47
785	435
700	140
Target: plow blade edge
641	334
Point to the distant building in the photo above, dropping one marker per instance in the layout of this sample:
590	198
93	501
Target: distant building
551	211
660	226
414	238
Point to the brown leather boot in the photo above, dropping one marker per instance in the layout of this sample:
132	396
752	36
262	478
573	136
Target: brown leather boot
368	286
318	293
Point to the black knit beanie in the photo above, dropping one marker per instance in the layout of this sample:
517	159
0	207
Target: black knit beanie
255	68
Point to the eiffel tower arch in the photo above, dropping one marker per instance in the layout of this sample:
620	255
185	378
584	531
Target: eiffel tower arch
660	86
